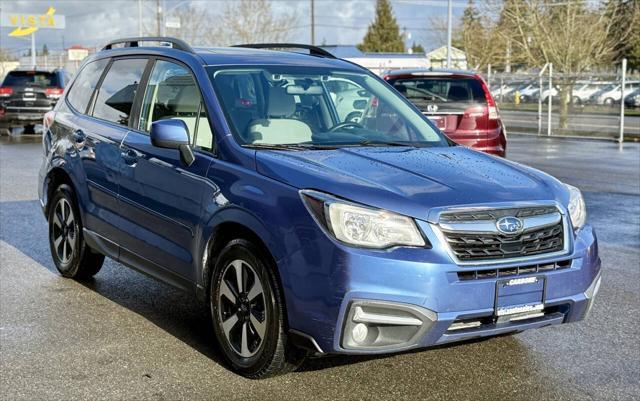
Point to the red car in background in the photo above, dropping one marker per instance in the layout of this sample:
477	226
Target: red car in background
458	102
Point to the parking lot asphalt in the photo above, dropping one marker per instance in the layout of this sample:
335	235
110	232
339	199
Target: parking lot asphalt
123	336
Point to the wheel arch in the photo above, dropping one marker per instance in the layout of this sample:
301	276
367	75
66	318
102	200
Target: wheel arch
56	177
230	224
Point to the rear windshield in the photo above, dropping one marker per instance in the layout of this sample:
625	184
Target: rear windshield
31	78
440	90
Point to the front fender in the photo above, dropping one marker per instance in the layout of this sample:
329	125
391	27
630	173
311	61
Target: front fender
235	215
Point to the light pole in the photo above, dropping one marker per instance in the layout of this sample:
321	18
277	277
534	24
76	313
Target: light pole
33	50
139	18
313	23
449	28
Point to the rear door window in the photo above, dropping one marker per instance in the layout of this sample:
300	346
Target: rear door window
32	78
82	89
118	90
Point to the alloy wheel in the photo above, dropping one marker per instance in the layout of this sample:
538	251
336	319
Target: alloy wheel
64	231
242	308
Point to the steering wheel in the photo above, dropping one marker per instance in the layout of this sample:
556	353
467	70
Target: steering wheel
345	124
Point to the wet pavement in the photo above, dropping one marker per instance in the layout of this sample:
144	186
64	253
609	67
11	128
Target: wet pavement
124	336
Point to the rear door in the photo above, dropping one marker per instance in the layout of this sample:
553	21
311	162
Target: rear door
161	198
100	132
456	104
96	153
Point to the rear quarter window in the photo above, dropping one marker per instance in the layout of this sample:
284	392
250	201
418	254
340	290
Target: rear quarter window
82	89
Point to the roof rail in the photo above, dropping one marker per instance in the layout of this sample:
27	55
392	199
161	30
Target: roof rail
313	50
135	42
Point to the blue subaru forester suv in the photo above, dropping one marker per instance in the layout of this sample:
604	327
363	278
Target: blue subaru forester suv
309	204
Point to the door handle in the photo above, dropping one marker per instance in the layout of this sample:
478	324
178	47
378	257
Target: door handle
130	156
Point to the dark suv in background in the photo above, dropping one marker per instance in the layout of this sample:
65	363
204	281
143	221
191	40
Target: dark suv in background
458	102
27	94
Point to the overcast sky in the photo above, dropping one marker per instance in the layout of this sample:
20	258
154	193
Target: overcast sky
92	22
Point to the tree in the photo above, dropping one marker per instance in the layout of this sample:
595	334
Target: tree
45	50
241	21
417	48
253	21
624	14
383	35
477	37
572	36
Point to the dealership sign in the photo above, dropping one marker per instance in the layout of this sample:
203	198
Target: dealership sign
27	24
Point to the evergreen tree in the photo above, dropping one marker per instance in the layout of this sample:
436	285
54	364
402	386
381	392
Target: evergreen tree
417	48
624	14
383	35
475	37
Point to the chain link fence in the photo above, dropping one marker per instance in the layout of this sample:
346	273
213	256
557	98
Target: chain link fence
556	104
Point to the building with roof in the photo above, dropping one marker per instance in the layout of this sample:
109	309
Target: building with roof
438	58
379	62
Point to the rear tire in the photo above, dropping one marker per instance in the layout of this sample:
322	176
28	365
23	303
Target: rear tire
71	255
248	315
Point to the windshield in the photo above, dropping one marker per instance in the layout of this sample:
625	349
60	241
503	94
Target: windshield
31	78
284	105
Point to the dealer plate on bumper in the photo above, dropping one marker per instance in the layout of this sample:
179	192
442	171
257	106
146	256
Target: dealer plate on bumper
522	296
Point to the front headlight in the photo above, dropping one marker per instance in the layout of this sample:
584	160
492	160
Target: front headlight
577	208
362	226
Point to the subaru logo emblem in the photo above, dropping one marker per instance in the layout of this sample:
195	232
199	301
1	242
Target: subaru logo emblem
509	225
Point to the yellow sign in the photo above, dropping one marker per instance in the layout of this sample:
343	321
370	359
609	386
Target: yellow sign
27	24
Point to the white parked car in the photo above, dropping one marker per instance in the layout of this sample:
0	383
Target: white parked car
584	90
545	93
613	96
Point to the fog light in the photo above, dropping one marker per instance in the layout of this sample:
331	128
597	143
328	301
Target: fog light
381	325
359	333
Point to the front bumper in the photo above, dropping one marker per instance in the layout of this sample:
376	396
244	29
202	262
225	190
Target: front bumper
422	290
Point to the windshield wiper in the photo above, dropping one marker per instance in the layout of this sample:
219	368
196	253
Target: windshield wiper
287	146
272	146
387	143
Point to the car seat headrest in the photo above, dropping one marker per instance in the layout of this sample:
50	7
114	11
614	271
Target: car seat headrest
281	104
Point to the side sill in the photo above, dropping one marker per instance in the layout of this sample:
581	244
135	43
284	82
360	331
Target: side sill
136	262
99	243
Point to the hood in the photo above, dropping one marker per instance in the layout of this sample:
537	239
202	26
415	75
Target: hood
410	181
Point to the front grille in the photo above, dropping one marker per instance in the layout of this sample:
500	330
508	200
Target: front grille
495	214
512	271
487	244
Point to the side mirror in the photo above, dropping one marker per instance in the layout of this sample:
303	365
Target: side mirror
172	134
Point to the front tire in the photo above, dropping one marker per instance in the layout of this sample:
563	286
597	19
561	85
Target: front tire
71	255
248	315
